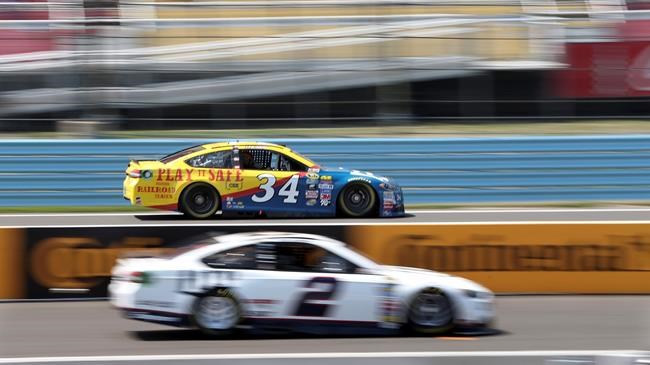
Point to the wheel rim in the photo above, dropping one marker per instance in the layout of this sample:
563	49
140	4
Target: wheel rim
201	200
357	199
218	313
430	310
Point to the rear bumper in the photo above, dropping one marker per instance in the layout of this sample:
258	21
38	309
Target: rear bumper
128	191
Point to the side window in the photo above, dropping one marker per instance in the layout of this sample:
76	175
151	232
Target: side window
237	258
214	160
255	159
309	258
260	159
289	164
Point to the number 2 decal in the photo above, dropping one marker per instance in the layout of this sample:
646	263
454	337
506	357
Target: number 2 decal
316	300
289	190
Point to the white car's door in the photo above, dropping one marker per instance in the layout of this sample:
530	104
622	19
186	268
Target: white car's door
301	281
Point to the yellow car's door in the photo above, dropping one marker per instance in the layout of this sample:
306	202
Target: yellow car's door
270	183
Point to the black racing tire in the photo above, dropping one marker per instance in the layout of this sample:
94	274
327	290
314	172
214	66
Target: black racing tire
200	201
357	200
430	313
216	313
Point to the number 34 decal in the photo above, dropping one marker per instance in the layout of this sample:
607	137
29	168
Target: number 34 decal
289	190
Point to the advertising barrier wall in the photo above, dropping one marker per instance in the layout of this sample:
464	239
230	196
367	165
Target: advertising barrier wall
77	262
520	258
12	258
42	263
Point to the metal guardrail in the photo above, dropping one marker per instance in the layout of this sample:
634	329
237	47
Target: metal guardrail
431	170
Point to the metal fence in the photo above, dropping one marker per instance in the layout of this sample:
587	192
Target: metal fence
432	171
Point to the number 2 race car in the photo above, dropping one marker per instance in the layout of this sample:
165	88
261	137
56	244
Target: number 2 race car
290	281
253	177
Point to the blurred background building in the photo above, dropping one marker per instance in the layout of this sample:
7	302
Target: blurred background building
250	63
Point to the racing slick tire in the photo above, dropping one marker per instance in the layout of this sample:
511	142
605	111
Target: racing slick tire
357	200
217	313
430	312
200	201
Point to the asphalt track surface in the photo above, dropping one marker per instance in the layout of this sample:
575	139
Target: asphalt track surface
638	215
524	323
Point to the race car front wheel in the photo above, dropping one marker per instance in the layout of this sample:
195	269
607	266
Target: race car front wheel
217	313
357	200
200	201
430	312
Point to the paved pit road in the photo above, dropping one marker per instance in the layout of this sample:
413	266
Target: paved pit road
527	323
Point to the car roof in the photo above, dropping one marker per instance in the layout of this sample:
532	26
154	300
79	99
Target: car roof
233	240
267	235
244	144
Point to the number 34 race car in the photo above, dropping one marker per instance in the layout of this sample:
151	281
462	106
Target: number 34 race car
289	281
254	177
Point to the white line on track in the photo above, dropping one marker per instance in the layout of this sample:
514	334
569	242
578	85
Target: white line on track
315	355
252	223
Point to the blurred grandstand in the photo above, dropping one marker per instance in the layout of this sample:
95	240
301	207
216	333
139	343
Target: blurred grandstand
237	63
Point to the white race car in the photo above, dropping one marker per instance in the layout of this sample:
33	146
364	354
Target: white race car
290	281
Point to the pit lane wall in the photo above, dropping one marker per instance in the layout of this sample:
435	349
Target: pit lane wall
58	263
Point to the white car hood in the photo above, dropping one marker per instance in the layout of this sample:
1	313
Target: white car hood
411	274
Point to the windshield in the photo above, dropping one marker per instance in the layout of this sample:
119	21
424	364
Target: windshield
181	153
362	259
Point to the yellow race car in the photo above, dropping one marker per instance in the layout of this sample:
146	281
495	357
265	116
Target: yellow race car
257	178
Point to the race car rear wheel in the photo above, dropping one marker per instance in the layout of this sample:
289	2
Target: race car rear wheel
357	200
430	312
200	201
217	312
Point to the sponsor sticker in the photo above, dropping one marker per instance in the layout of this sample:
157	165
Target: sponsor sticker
311	194
389	306
325	203
326	186
387	186
310	202
190	281
190	174
326	178
233	186
312	176
325	196
155	189
360	179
